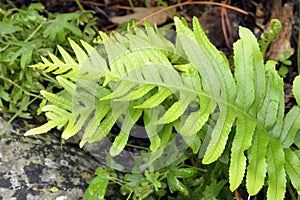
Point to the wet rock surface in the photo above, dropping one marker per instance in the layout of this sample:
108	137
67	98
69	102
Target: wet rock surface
40	168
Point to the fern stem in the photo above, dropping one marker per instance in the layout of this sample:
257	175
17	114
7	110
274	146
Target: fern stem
11	4
16	115
79	5
36	30
129	195
131	5
117	181
18	86
138	147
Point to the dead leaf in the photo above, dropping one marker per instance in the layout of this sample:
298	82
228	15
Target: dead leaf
141	12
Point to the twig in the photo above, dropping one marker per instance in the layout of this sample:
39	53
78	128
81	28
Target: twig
103	5
226	23
236	195
223	16
192	3
131	5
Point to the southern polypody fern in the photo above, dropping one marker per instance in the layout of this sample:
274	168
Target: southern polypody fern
143	75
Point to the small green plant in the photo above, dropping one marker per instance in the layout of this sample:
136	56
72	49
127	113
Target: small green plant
25	35
284	63
181	91
267	37
176	181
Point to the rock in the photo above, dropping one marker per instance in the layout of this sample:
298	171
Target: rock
39	168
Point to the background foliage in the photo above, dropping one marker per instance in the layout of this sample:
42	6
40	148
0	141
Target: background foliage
26	35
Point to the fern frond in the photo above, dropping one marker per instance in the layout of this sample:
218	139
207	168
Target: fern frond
156	99
57	117
219	135
79	52
69	86
75	123
217	78
102	110
296	89
150	116
274	101
242	141
130	119
104	128
291	125
138	93
58	100
41	129
257	168
292	166
267	37
67	58
249	75
69	68
187	86
177	109
276	172
164	139
196	120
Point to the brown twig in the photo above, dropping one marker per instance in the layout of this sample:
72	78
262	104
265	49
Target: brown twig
236	195
226	24
192	3
223	16
103	5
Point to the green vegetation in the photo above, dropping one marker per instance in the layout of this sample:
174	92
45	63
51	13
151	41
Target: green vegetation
26	35
212	129
145	76
284	63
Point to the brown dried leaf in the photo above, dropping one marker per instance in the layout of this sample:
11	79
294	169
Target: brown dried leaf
141	12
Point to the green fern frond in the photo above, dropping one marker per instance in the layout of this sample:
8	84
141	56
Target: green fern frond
42	129
70	67
267	37
257	168
131	118
276	171
291	125
142	75
59	100
292	167
156	99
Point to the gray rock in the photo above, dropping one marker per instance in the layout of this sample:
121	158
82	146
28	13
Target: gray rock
39	167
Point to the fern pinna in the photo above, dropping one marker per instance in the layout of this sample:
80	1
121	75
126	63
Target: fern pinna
175	89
